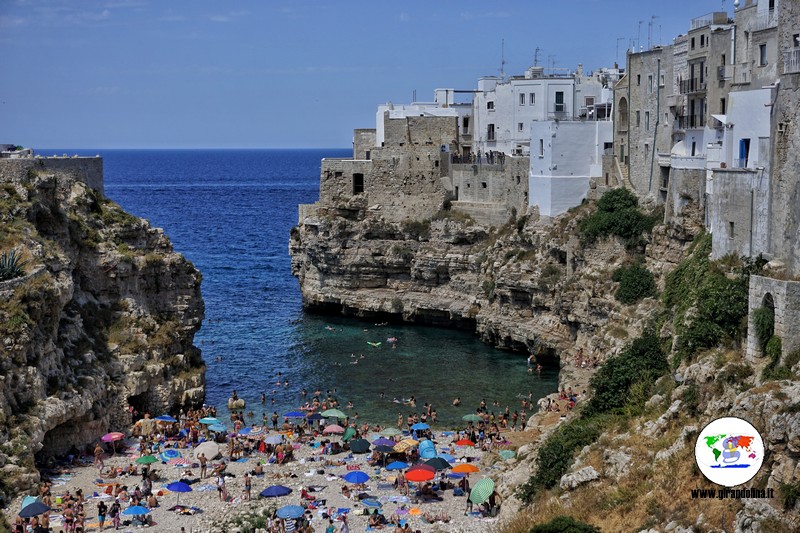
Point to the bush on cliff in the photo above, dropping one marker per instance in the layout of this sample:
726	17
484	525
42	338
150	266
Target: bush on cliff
635	283
11	265
617	214
564	524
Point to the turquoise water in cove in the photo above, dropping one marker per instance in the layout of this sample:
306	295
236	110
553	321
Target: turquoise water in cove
230	212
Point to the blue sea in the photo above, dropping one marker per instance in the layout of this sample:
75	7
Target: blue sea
230	212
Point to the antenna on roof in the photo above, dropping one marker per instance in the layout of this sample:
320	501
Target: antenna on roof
650	31
536	56
502	58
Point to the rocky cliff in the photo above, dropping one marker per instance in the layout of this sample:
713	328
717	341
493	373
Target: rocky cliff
533	285
103	319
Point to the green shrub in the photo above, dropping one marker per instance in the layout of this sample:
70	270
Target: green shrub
635	283
564	524
764	324
11	265
617	214
691	398
790	493
417	229
555	455
642	361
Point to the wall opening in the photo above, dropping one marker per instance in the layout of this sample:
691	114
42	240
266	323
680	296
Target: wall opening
358	183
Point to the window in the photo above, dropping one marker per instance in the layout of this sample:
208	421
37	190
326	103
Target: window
358	183
650	82
771	5
661	81
722	106
521	98
490	106
762	55
646	152
692	44
723	59
638	118
638	79
731	233
702	41
337	174
560	107
647	120
483	185
796	40
532	99
541	147
490	132
519	126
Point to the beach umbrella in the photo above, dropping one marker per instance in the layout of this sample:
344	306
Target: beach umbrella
465	468
333	428
397	465
165	418
178	486
274	439
507	454
455	476
209	420
256	432
383	442
420	426
34	509
384	449
217	427
171	453
333	413
179	461
245	431
390	432
471	418
464	442
357	477
420	474
422	466
481	491
27	500
294	414
349	433
113	436
136	510
146	460
210	449
291	511
315	417
275	491
438	463
359	446
447	457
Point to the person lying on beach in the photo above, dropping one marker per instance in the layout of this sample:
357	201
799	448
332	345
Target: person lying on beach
346	492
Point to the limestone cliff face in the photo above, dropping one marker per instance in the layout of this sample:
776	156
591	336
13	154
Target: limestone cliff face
104	318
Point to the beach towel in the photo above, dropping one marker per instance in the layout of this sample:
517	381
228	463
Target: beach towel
353	467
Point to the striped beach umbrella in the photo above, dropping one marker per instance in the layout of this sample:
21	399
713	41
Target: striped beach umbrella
481	491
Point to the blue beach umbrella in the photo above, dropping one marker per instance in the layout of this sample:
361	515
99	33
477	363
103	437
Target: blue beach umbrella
419	426
447	457
294	414
356	477
165	418
34	509
217	427
291	511
136	510
209	420
315	416
245	431
171	453
397	465
275	491
178	486
383	442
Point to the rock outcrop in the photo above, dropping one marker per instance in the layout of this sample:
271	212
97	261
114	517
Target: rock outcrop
103	319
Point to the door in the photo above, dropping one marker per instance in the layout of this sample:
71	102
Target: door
744	151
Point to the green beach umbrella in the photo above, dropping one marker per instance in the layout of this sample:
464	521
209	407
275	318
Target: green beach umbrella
146	460
349	433
333	413
471	418
389	432
481	491
507	454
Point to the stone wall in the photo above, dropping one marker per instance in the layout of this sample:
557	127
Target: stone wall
505	184
88	170
737	212
686	185
786	297
363	143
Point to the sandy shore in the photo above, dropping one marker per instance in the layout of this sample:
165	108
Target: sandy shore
307	469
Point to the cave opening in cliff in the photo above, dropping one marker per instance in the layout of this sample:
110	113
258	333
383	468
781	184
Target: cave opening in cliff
141	404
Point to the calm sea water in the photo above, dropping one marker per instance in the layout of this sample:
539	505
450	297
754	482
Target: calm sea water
230	212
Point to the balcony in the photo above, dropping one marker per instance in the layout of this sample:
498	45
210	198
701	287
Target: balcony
765	21
692	85
691	121
791	61
725	72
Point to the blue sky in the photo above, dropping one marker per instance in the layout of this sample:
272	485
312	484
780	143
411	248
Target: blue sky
264	74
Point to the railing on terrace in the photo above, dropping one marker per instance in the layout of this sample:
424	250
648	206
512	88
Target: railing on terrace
692	85
791	61
765	21
716	17
691	121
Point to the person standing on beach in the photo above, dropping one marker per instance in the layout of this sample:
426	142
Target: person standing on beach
98	457
114	514
203	465
101	514
221	489
248	485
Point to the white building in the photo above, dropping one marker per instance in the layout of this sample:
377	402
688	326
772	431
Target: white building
565	156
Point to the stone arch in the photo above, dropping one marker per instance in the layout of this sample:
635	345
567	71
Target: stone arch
622	114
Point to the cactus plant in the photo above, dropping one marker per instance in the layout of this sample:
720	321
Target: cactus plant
11	265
